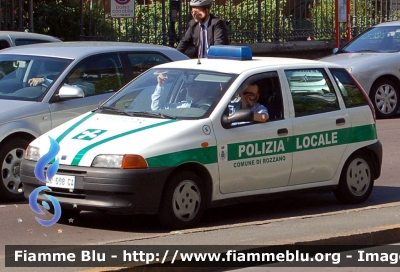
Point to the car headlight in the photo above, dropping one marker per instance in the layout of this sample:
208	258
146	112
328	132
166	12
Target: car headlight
32	153
120	161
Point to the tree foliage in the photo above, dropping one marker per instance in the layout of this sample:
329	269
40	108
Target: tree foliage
250	21
57	18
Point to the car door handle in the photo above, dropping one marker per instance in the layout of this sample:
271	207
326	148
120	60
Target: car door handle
282	131
340	121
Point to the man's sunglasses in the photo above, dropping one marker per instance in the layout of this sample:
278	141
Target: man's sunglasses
246	93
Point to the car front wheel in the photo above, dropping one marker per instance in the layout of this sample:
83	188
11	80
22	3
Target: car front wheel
356	181
385	97
183	201
11	155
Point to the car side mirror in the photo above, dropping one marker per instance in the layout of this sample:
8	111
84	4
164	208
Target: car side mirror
238	116
68	92
335	50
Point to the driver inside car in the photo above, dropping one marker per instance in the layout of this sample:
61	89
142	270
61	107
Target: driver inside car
74	79
196	92
248	99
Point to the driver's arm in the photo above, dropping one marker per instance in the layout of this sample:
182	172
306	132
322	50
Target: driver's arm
155	97
260	117
261	114
39	80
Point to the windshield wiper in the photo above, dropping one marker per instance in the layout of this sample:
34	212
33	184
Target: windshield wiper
366	50
114	110
152	114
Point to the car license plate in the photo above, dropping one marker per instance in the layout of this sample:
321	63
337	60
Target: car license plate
62	181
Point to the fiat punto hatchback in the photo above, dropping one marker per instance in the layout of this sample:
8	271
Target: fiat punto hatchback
164	146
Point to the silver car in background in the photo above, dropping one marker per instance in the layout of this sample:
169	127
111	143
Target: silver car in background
373	58
17	38
44	85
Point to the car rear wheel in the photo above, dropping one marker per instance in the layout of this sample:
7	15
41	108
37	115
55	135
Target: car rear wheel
11	155
385	97
356	181
183	201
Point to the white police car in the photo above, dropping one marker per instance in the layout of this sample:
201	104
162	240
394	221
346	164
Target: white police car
159	149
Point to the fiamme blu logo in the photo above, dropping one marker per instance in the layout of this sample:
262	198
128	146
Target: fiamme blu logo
40	175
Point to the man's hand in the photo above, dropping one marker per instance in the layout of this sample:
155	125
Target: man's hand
260	117
161	78
35	81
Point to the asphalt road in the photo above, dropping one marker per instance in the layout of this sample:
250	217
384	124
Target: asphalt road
301	218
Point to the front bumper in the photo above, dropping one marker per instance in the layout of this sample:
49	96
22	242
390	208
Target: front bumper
120	191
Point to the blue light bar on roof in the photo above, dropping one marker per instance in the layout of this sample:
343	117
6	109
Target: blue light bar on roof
230	52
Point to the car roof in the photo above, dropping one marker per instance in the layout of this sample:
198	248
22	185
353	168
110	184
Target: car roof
28	35
237	66
80	49
392	23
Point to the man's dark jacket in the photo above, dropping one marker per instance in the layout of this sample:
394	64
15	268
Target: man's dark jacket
216	35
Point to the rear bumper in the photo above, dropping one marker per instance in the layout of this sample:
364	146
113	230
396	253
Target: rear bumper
377	149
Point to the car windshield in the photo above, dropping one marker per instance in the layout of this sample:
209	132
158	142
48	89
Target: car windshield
170	93
21	76
376	39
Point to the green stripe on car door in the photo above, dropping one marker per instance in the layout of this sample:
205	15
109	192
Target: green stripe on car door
267	147
203	155
303	142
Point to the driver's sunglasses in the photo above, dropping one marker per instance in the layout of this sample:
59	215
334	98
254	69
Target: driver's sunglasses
246	93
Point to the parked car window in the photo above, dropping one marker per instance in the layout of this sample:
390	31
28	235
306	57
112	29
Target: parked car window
4	44
6	67
103	71
312	92
140	62
352	95
17	71
51	69
376	39
19	42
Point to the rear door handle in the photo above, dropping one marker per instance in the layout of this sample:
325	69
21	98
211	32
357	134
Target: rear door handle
282	131
340	121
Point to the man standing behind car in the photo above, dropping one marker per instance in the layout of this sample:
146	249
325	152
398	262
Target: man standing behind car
204	29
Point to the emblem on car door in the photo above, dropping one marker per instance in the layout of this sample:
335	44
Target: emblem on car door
206	130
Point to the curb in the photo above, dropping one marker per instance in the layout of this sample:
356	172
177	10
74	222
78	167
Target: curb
373	237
